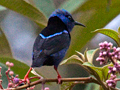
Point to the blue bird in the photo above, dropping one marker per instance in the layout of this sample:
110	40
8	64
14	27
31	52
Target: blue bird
52	43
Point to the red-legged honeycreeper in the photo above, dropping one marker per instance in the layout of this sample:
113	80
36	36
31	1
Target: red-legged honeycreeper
52	43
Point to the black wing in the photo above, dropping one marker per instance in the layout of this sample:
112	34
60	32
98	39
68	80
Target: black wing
51	45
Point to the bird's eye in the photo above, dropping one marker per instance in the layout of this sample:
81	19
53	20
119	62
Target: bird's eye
69	17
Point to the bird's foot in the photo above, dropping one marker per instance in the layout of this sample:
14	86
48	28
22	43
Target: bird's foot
59	79
26	79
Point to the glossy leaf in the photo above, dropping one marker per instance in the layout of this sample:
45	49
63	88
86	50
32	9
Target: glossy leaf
74	59
93	15
81	55
66	86
118	83
4	45
4	78
90	54
18	68
72	5
85	55
45	6
119	31
111	33
105	71
96	71
92	86
2	8
26	9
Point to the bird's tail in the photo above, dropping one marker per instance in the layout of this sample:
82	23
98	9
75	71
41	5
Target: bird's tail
38	61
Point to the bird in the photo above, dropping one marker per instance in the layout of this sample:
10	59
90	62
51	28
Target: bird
53	41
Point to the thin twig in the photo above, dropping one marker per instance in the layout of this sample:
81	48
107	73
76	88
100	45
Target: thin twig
1	84
86	79
7	74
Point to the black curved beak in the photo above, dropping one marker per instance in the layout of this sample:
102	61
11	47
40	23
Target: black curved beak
77	23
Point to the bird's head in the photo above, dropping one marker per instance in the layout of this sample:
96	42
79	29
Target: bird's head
66	18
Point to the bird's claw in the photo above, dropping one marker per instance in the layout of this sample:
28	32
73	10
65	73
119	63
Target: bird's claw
59	79
26	80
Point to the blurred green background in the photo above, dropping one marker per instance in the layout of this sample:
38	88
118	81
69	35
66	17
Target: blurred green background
22	20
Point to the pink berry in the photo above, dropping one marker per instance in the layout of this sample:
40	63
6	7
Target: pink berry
100	44
114	48
104	53
11	73
101	63
16	80
105	42
7	63
110	44
11	64
114	69
46	88
10	84
118	49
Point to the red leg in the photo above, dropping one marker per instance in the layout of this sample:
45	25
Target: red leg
59	76
26	76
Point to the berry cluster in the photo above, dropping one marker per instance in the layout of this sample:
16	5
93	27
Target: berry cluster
104	54
113	71
110	53
13	80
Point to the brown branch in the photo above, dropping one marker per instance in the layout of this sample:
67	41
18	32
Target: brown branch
85	79
1	84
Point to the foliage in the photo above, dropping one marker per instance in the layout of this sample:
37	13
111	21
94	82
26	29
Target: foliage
79	8
12	79
96	18
107	73
25	9
5	50
20	67
86	63
94	15
111	33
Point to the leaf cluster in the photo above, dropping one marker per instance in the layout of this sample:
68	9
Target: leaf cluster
86	61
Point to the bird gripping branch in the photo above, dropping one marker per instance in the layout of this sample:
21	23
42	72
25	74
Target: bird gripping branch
52	43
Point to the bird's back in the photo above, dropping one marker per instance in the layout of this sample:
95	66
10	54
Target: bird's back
51	44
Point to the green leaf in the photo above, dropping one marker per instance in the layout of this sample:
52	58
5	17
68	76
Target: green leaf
111	33
93	17
45	6
92	86
66	86
4	45
81	55
26	9
90	54
119	31
72	5
18	68
105	71
74	59
2	8
4	78
118	83
96	71
88	64
85	55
